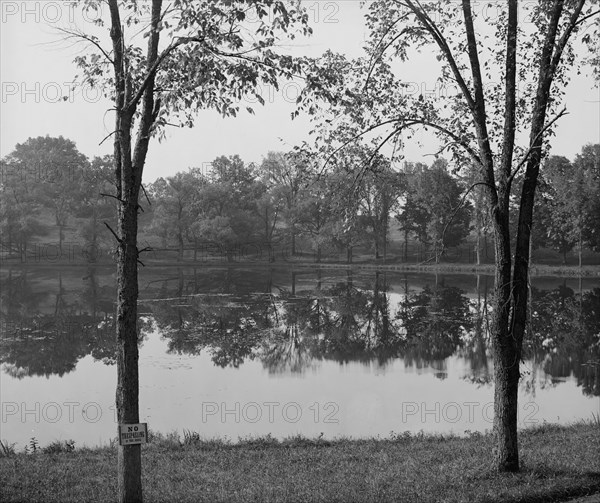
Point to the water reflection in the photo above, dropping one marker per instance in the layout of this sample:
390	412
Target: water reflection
48	326
292	321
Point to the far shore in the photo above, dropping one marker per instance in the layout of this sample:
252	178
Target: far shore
536	270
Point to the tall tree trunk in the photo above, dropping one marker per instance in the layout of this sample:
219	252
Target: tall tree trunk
180	246
61	238
129	166
506	357
580	246
93	255
478	244
530	253
130	483
385	232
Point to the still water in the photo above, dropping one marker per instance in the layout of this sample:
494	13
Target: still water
236	352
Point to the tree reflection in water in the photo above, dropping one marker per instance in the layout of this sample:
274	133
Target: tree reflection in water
292	321
46	331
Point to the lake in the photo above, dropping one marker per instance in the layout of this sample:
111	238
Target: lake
248	351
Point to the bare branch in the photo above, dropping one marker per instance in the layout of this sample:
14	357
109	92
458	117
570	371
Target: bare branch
444	147
119	240
114	197
453	136
146	194
87	38
584	18
354	138
107	137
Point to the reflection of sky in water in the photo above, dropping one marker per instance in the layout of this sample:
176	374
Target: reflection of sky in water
354	399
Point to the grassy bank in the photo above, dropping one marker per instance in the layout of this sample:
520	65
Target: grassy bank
557	463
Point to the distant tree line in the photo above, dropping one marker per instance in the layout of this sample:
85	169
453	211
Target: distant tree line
48	187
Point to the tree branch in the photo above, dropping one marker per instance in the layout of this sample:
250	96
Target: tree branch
456	210
88	38
107	137
114	197
119	240
560	46
439	38
510	93
533	147
146	194
584	18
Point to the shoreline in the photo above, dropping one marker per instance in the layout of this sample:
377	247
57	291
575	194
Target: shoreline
558	463
587	271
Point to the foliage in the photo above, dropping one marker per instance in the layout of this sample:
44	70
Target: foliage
570	198
213	55
480	121
6	449
59	447
47	175
176	206
434	209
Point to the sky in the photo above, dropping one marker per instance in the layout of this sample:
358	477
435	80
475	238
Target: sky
37	70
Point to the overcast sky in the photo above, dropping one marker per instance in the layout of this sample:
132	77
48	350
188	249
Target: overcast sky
36	69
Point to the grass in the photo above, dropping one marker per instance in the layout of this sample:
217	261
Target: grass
557	463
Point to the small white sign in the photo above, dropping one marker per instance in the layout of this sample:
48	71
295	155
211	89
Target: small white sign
130	434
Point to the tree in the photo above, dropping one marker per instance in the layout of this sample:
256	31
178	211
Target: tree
557	219
315	215
439	218
92	203
49	170
176	206
199	55
378	191
479	119
588	165
570	194
229	213
411	215
19	208
285	175
347	226
480	217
